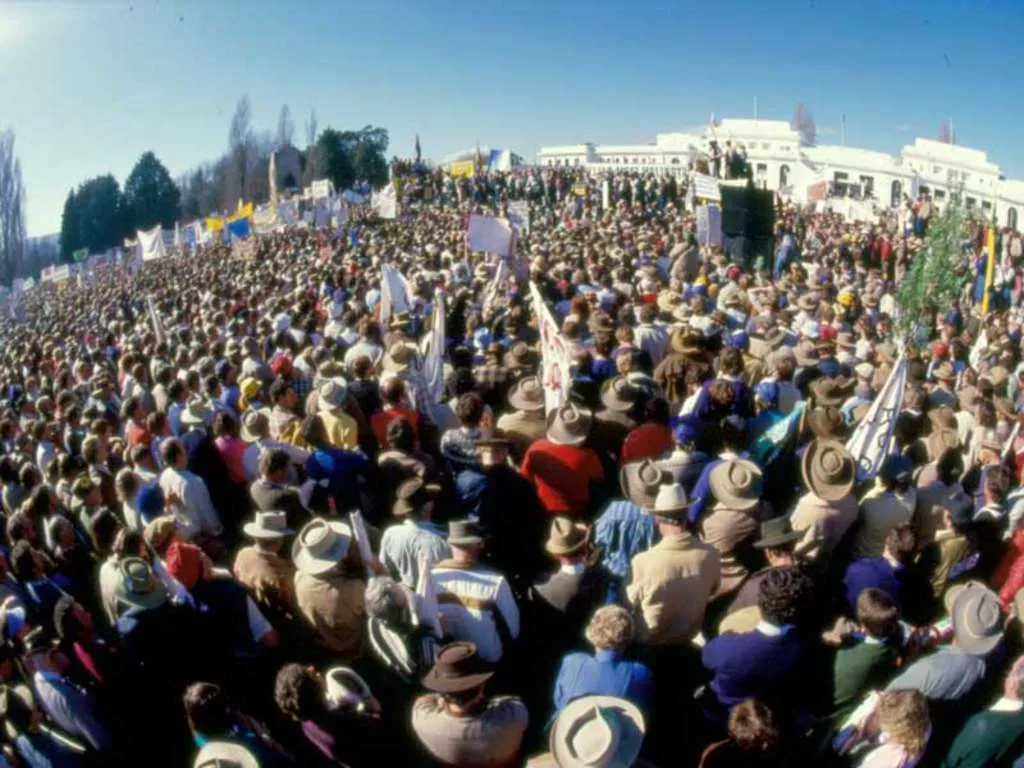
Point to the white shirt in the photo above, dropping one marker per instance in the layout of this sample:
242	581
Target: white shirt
194	512
469	622
253	452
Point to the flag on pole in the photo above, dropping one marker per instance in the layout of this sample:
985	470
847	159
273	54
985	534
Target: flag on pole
418	153
872	440
154	319
556	359
432	351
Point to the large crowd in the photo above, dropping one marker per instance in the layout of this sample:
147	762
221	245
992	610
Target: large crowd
239	529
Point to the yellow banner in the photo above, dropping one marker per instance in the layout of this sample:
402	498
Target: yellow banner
580	190
215	223
462	168
244	212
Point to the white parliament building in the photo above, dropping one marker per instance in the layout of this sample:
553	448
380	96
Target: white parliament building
779	160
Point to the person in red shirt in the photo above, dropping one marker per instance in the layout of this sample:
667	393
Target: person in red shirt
392	392
652	439
135	419
560	467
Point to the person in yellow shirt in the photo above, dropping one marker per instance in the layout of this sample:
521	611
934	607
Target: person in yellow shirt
342	430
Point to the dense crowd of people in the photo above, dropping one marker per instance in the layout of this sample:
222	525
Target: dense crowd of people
240	530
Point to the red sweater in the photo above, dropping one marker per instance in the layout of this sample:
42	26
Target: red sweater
1009	575
648	441
562	475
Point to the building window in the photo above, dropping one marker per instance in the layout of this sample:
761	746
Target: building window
940	194
986	205
1011	218
971	202
765	145
867	186
675	161
936	169
895	194
783	175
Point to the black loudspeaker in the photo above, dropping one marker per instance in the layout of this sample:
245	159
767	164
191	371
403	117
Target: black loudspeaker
748	212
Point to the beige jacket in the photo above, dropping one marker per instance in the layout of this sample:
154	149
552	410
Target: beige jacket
823	523
669	589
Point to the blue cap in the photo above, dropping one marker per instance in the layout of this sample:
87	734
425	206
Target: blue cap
150	502
767	391
896	467
684	430
738	340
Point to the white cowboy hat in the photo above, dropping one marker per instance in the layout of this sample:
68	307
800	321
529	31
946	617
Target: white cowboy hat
597	732
196	413
320	545
333	393
268	525
671	500
225	754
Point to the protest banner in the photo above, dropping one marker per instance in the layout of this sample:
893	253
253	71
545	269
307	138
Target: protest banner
519	216
705	187
817	191
489	234
321	214
556	359
872	440
214	223
385	202
152	244
395	293
463	168
432	350
709	225
320	189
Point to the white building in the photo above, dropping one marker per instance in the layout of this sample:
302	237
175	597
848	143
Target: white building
778	158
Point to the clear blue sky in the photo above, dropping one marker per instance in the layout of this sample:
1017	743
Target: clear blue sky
89	85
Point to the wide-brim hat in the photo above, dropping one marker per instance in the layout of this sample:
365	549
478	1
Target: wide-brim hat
196	413
826	422
828	469
321	545
687	342
941	440
831	391
268	525
343	685
255	426
671	501
332	394
225	754
620	394
640	481
464	533
806	355
412	494
596	731
137	586
944	372
457	668
777	532
400	357
566	537
737	484
527	395
977	619
569	424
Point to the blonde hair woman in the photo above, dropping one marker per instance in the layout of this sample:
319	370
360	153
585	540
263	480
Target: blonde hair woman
903	727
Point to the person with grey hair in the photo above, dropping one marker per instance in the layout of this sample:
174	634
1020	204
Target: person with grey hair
607	671
399	638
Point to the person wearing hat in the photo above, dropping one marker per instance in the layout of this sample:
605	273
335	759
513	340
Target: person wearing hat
622	400
256	431
686	351
953	552
413	543
942	393
329	585
777	542
890	504
263	571
526	423
829	507
671	583
341	429
734	519
564	600
953	672
457	723
475	602
560	466
603	731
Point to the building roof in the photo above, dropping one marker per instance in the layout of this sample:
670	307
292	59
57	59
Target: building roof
854	157
753	129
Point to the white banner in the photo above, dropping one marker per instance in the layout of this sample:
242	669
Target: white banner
321	188
385	203
705	187
395	293
556	359
489	234
152	244
432	351
519	216
872	440
322	216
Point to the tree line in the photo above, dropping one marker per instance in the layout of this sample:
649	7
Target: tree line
99	215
